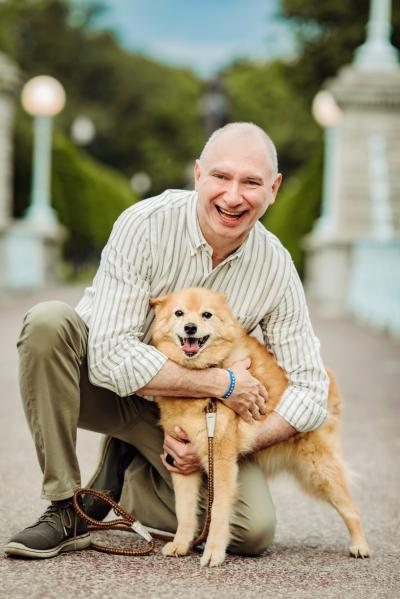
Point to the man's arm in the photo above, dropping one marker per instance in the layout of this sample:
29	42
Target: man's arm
288	334
248	398
117	358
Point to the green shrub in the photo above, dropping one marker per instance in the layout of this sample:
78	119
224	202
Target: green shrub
297	206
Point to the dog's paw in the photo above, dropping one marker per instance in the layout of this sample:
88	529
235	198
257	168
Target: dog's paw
212	556
175	549
360	550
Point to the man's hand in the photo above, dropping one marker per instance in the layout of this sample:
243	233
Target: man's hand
181	450
249	397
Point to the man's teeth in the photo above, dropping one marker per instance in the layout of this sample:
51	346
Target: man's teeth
228	213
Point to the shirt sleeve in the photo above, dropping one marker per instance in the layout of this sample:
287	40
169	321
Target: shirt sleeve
289	335
117	359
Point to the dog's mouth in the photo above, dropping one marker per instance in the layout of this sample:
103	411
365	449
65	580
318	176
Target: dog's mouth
192	345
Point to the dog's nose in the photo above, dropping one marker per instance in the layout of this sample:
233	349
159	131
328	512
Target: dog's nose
190	328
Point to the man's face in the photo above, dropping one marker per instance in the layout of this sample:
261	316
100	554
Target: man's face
235	186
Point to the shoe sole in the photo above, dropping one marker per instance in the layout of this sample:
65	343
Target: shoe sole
75	544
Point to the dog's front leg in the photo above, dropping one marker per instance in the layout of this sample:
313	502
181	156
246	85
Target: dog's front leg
225	485
186	487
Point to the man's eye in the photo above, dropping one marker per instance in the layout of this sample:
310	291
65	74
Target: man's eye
179	313
219	176
206	315
252	183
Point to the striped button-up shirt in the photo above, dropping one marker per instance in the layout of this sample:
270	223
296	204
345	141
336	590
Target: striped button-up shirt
157	247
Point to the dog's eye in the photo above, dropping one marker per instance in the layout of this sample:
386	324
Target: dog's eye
179	313
206	315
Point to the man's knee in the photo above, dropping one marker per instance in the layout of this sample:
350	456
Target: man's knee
44	325
255	535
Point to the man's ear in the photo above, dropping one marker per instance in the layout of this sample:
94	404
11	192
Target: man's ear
197	172
276	185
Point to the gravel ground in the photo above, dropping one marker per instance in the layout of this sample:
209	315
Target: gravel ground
310	555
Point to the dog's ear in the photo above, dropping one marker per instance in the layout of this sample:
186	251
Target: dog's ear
155	302
222	297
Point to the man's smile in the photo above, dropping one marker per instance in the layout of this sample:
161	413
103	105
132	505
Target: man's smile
230	215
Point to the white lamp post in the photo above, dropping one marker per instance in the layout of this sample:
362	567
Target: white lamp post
328	114
43	97
33	244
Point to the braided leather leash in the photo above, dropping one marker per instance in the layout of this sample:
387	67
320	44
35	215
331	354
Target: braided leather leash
129	524
211	415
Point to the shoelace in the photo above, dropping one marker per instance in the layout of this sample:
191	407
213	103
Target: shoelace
62	513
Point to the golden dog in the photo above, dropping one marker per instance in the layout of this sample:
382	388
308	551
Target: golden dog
314	458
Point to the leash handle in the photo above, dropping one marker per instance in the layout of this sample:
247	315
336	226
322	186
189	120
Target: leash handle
127	522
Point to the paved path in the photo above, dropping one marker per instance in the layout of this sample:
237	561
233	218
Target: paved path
309	557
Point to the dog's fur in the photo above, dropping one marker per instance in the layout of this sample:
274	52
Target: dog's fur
314	458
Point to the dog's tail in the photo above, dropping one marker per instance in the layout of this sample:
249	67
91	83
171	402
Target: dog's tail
334	396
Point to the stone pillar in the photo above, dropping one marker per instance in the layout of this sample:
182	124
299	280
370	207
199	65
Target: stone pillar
8	85
368	93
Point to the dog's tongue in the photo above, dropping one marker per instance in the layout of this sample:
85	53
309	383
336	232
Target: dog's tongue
190	345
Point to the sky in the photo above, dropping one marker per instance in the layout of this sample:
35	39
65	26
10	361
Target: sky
204	35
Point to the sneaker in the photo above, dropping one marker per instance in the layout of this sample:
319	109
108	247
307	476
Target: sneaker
58	529
115	457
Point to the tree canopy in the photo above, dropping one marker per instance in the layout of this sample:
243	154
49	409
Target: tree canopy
146	114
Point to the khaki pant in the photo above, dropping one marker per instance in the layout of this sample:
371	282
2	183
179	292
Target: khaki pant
58	398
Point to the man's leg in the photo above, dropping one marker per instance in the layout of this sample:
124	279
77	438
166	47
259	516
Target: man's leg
58	397
53	376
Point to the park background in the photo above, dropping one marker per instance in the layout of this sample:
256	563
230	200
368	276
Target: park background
152	117
150	103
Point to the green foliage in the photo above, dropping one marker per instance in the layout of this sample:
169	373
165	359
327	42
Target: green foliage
296	207
87	196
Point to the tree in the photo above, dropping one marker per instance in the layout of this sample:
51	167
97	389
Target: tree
146	114
327	34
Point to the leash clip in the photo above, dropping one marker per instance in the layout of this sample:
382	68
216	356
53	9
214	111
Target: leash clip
141	530
211	418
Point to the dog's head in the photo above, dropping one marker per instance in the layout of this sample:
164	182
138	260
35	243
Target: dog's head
194	327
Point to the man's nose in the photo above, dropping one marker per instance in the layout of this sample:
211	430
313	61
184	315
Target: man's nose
190	328
232	193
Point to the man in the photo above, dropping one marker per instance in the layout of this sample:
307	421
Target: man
210	238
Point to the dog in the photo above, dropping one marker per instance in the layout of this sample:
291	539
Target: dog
196	329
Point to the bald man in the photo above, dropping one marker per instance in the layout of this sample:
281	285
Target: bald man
94	366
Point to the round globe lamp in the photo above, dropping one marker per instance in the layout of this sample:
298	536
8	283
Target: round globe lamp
43	97
325	110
